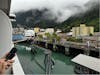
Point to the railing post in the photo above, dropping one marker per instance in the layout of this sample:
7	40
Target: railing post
46	45
67	48
87	50
54	47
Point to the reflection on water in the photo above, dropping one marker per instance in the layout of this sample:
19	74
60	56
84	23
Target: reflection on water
34	63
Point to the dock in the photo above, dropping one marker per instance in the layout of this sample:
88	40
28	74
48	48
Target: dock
17	41
71	48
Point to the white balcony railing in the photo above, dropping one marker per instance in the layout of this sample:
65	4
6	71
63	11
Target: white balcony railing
17	68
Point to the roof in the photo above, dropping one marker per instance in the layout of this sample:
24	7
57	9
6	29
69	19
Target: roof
29	33
70	33
88	61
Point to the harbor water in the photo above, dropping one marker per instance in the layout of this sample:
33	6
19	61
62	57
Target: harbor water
34	63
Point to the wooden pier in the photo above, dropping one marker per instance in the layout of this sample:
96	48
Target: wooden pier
71	48
17	41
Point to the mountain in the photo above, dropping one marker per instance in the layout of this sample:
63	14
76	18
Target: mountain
90	18
34	18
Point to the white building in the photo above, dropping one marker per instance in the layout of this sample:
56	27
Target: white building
58	31
49	30
42	30
29	33
69	33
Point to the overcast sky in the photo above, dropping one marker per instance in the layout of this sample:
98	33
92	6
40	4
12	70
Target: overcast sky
58	9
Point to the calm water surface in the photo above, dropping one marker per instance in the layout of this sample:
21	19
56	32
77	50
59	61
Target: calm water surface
34	63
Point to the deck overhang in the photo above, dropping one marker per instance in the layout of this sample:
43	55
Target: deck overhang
5	6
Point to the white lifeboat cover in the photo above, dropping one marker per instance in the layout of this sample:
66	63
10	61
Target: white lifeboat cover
5	34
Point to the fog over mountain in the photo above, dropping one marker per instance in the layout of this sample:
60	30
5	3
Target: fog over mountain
56	10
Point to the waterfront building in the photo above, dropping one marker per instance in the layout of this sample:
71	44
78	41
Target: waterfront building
86	64
41	33
62	35
29	34
82	30
42	30
69	33
58	31
36	29
49	30
18	30
94	39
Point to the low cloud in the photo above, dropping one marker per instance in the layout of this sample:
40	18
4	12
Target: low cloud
58	10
